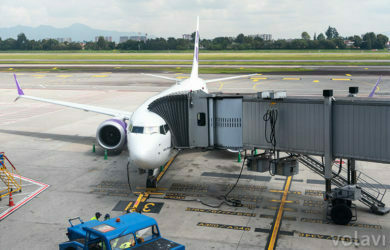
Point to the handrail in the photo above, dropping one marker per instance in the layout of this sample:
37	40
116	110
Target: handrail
5	157
370	194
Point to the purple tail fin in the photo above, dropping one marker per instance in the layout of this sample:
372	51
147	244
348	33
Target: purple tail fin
375	87
20	91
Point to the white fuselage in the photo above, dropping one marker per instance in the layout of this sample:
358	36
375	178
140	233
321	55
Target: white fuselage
148	137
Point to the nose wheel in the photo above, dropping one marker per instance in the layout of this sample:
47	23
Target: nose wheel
151	181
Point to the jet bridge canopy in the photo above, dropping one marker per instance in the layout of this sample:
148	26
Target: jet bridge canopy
348	127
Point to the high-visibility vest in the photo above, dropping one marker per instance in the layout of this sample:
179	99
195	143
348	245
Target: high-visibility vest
94	218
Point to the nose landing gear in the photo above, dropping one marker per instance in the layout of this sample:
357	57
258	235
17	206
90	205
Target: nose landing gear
151	181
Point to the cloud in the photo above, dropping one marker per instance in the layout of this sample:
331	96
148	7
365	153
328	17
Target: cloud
281	18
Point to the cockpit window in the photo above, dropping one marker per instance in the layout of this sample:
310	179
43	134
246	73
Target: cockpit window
163	129
137	130
151	130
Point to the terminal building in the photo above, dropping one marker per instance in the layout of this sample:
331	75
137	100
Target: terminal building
106	38
187	36
266	37
64	39
139	38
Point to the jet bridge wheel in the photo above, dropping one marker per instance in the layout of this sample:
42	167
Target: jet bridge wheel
341	212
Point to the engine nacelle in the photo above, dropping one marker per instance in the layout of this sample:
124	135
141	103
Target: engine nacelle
111	134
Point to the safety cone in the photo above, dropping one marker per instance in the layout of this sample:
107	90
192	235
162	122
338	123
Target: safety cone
11	201
239	157
93	148
105	154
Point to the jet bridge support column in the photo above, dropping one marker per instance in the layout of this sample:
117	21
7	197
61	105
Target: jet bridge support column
353	171
328	98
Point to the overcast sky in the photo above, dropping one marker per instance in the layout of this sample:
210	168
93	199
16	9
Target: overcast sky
281	18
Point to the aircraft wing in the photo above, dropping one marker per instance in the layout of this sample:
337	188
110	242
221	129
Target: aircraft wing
162	77
105	111
228	78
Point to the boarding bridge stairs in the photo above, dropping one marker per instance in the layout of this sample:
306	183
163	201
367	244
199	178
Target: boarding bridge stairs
7	176
372	191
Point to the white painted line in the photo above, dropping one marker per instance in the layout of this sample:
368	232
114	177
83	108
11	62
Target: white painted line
42	188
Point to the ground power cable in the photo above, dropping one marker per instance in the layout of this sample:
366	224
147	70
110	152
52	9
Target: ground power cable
228	201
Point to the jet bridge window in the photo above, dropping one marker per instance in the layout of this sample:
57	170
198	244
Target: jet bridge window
201	119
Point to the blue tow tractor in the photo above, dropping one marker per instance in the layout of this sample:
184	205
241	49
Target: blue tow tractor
128	231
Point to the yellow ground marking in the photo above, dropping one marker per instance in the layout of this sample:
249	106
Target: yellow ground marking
178	68
128	205
221	86
281	191
258	78
152	189
165	169
365	68
242	68
117	67
348	74
278	201
54	68
178	73
11	69
316	81
279	215
64	76
20	74
284	209
340	79
255	80
137	202
181	77
291	78
255	85
259	74
148	193
39	76
100	76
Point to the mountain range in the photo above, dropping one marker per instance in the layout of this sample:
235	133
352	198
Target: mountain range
77	31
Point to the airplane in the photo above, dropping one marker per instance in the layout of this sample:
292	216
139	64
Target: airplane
146	134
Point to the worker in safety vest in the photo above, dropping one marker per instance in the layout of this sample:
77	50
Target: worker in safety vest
97	216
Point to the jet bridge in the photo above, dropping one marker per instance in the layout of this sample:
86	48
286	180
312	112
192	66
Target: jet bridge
350	128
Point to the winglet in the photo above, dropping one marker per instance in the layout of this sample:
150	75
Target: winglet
375	87
20	91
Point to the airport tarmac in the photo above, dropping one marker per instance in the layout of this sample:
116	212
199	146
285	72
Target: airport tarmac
53	145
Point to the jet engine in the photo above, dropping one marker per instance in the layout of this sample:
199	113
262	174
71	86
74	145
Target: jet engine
111	134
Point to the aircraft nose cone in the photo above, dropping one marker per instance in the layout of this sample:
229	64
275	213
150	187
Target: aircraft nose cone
145	155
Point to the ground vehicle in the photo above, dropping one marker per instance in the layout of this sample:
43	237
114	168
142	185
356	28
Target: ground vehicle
129	231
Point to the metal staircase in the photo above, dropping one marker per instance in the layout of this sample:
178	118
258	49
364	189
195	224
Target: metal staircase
372	191
7	177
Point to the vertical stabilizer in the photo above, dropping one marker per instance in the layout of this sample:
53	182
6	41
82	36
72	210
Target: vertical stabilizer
194	72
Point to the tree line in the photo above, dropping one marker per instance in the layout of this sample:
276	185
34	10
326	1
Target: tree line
330	40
